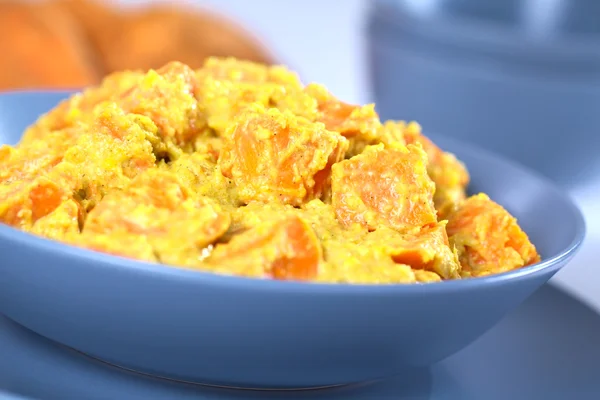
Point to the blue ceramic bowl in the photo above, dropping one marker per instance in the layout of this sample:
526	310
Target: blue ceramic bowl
261	333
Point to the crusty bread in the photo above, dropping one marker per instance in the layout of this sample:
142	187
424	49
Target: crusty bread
42	46
73	43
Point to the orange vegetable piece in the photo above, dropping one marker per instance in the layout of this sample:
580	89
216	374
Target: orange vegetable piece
427	249
23	202
31	186
114	148
227	86
488	239
177	223
349	120
63	221
284	249
350	262
166	96
28	160
447	172
273	156
104	155
384	187
79	107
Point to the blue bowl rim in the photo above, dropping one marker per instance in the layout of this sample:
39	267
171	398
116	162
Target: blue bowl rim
85	256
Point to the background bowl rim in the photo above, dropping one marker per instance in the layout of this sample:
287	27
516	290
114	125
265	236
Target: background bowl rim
454	27
97	259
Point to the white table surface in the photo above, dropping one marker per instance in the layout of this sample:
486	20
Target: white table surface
323	40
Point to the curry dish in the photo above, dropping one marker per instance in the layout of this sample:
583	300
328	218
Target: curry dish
240	169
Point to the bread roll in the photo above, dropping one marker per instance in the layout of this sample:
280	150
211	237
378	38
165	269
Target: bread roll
43	47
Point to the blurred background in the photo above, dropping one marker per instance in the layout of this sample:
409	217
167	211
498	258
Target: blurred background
519	77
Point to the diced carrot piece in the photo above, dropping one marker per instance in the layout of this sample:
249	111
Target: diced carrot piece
350	262
29	160
349	120
285	249
447	172
166	96
273	156
384	187
426	249
45	196
177	223
488	238
222	100
109	152
22	203
227	86
81	162
62	222
79	107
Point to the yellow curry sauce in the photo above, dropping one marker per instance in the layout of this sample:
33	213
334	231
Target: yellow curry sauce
239	168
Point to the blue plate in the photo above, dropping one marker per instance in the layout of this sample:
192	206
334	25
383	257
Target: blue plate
546	349
262	333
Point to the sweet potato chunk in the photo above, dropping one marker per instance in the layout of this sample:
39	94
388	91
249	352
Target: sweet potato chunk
316	213
105	156
427	249
63	221
488	238
348	262
347	119
35	157
227	86
79	108
384	187
27	193
166	96
113	149
447	172
222	100
273	156
23	202
177	223
284	249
